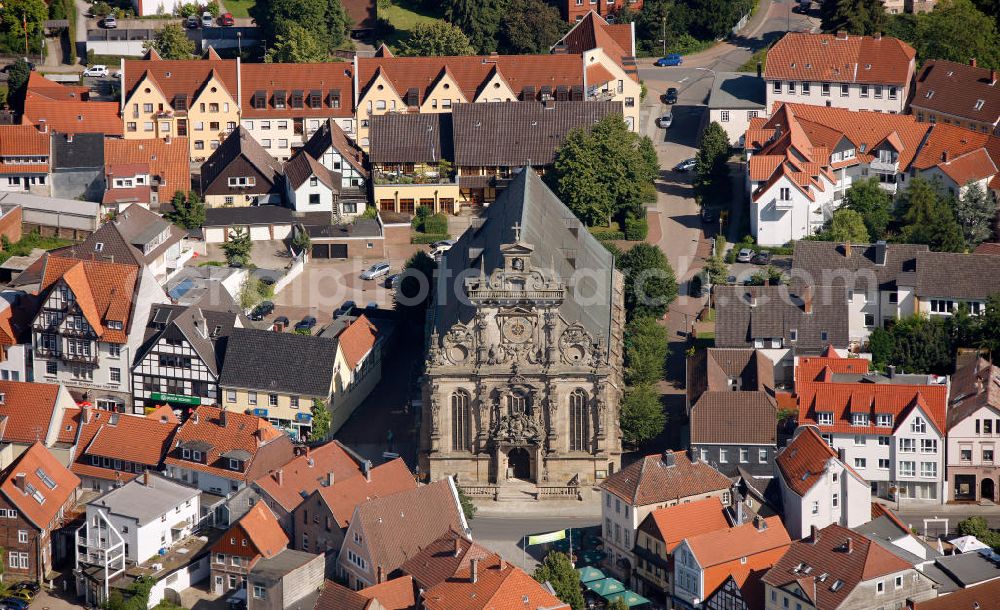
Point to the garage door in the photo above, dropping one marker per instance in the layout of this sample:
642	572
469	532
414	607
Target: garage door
321	251
338	250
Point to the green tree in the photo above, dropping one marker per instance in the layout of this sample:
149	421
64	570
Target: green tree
478	19
928	218
13	17
874	204
274	16
321	420
768	275
711	169
916	344
435	38
974	526
249	294
531	26
189	210
301	241
956	30
716	266
618	604
171	42
848	226
338	23
975	211
17	83
468	507
645	351
650	285
989	325
557	570
238	247
605	172
296	45
413	292
862	17
642	417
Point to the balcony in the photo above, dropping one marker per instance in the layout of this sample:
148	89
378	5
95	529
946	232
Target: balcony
397	178
82	358
884	167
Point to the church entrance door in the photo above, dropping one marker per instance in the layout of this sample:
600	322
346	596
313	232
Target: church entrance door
519	463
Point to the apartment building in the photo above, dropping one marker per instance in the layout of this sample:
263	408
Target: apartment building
25	152
34	413
255	537
842	71
963	95
974	432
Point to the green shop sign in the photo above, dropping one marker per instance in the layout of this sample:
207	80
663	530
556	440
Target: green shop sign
179	398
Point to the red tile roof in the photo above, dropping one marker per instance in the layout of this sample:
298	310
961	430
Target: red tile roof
27	411
103	291
810	368
593	32
180	76
804	460
64	116
499	585
356	340
803	56
972	166
985	596
167	161
304	78
348	492
23	140
728	543
264	530
652	479
128	438
439	560
395	594
307	473
45	488
672	524
39	85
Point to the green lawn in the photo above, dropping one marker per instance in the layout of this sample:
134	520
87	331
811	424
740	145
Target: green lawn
239	8
404	16
29	242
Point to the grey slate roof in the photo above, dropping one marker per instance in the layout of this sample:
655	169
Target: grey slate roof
146	502
775	312
514	135
737	90
260	215
279	362
86	151
300	167
829	263
959	276
239	143
277	567
968	569
724	417
411	138
122	239
561	243
175	321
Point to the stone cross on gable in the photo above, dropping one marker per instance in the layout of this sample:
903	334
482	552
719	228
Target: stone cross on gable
517	231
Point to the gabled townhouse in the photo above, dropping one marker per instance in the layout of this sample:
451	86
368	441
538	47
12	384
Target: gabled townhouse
17	310
193	99
653	482
145	171
77	164
180	359
836	569
963	95
129	525
841	71
818	487
33	413
222	452
24	159
321	519
465	157
331	145
255	537
310	187
386	531
575	10
396	594
241	172
491	582
974	432
82	334
722	568
112	448
286	104
889	428
68	109
36	492
660	533
284	488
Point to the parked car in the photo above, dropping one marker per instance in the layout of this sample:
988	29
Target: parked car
110	22
686	165
192	22
371	305
306	323
375	271
30	586
670	97
22	594
227	20
673	59
745	255
666	120
391	281
97	71
763	258
13	603
207	20
345	307
261	311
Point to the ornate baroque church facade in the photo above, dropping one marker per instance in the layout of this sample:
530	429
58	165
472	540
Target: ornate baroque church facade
524	368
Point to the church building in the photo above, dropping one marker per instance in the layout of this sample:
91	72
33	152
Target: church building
524	368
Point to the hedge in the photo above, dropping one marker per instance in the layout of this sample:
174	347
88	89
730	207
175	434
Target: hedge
636	229
428	238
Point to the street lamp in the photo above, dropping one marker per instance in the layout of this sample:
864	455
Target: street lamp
239	42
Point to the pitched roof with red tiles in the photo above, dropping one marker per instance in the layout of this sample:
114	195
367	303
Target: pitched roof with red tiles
102	290
439	560
167	161
264	531
499	585
142	440
672	524
38	485
362	13
23	140
356	340
27	410
58	92
804	461
307	473
175	77
655	479
972	166
991	248
471	72
959	90
985	596
303	79
396	594
809	368
64	116
593	32
804	56
240	431
850	564
347	493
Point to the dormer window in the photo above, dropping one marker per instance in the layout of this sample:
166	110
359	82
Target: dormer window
114	324
196	456
824	418
235	465
99	246
979	104
186	454
883	420
859	419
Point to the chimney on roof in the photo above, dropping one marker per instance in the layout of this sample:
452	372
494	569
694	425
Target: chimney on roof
877	36
972	62
474	570
847	250
167	139
366	468
891	370
145	479
760	70
813	534
692	455
669	459
19	481
849	545
841	35
503	563
69	138
194	417
993	76
278	478
807	300
944	156
85	415
380	575
759	524
458	546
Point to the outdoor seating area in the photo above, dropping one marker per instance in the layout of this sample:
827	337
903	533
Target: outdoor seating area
599	590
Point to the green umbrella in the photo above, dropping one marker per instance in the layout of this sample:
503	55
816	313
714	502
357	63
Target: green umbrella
592	556
590	574
631	598
606	586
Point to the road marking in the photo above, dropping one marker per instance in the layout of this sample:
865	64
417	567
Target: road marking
683	79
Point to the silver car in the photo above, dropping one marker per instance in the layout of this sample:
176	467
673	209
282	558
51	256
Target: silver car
745	255
666	120
375	271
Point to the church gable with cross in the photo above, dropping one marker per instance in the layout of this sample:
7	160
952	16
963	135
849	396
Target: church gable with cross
524	368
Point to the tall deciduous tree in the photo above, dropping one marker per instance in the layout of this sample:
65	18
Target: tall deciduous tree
928	218
645	351
848	226
650	284
321	420
863	17
325	19
531	26
711	169
976	211
295	45
478	19
435	38
13	17
171	42
557	570
642	417
873	203
917	344
956	30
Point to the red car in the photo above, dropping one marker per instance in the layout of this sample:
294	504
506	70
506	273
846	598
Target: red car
227	20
